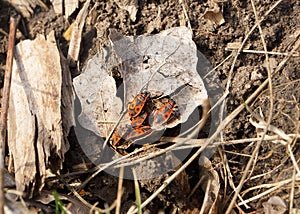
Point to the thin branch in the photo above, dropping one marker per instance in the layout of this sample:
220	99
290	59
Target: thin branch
5	101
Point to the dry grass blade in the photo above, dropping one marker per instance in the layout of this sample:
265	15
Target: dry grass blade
292	194
120	190
5	101
202	211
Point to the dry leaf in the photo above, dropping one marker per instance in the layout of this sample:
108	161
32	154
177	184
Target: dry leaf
214	15
165	64
275	205
96	90
36	138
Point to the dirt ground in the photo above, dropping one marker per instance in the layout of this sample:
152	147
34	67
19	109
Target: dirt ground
273	164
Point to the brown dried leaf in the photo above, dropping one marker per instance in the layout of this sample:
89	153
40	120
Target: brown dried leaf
214	15
275	205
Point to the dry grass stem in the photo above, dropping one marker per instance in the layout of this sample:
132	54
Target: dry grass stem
269	53
185	13
271	171
292	194
205	200
120	190
269	191
279	132
216	67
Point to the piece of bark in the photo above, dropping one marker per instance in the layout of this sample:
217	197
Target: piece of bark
36	138
57	6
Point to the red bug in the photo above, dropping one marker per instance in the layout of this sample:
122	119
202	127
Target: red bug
136	105
138	132
163	114
118	142
118	136
139	120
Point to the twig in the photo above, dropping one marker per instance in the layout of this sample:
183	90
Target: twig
3	32
5	102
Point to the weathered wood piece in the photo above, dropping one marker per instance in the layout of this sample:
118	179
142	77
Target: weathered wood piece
40	114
